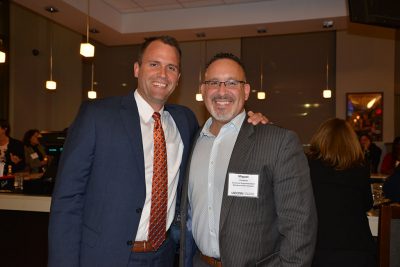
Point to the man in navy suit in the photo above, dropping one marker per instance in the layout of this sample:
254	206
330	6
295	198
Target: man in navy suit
101	201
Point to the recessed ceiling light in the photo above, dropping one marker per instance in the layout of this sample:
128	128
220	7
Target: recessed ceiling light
200	34
94	30
327	24
261	31
51	9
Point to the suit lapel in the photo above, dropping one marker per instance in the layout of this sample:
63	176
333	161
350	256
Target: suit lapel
130	118
243	146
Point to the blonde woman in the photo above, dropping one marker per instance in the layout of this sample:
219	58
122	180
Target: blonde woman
342	195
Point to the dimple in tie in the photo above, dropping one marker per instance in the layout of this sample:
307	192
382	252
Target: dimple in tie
159	190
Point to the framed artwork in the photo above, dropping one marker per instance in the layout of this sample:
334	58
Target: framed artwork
364	111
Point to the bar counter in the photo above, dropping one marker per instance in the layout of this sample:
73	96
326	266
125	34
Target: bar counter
21	202
24	220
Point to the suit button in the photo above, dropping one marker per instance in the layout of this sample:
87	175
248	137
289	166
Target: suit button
138	210
129	242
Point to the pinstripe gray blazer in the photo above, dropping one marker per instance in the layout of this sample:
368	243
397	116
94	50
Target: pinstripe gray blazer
279	227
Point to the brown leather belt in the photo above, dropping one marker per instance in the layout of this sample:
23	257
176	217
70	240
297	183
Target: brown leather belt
211	261
142	246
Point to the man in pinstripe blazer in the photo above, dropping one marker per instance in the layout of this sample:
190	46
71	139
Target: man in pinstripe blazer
247	200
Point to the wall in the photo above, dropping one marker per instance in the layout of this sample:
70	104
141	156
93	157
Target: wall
294	74
31	105
365	62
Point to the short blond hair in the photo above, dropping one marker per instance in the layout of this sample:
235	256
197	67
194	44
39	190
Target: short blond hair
336	143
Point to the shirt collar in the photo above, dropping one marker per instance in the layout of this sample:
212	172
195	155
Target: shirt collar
235	123
145	110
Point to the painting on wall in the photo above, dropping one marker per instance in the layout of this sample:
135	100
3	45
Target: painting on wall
364	111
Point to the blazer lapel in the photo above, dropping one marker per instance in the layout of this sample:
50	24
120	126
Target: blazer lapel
240	151
130	118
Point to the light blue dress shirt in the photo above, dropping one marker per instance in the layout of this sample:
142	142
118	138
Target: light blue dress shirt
208	168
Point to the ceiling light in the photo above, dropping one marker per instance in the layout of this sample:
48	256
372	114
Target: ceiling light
92	94
50	84
200	34
87	49
326	24
327	93
2	57
2	54
51	9
261	30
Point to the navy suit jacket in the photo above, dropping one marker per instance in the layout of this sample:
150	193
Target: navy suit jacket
100	188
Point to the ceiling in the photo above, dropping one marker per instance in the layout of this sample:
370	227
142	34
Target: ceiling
123	22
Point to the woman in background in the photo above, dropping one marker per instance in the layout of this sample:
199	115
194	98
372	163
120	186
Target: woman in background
35	155
391	159
343	195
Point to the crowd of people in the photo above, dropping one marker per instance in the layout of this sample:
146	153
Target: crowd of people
235	192
28	155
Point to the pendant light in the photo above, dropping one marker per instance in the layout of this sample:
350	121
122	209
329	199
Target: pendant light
92	94
87	49
199	96
50	84
2	54
261	93
327	93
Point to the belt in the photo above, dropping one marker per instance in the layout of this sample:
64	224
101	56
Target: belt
145	246
142	246
211	261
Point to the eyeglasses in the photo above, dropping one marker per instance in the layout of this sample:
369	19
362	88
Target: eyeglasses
230	84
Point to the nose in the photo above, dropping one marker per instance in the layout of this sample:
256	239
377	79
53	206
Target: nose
221	88
163	71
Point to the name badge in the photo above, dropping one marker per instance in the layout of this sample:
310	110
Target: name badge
243	185
34	155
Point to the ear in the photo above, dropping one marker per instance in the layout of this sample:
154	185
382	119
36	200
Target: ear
136	69
246	91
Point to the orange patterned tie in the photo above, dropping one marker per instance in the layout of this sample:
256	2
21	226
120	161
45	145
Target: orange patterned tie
159	190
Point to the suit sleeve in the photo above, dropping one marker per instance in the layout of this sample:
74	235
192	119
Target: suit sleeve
297	219
65	224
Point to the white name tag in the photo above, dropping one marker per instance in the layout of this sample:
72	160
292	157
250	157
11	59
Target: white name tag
34	155
243	185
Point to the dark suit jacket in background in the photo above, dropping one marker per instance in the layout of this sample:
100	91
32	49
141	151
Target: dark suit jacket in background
15	147
342	199
279	227
100	188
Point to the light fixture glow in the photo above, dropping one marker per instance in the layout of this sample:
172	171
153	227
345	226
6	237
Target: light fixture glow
92	94
87	49
327	93
260	95
371	103
51	85
2	57
199	97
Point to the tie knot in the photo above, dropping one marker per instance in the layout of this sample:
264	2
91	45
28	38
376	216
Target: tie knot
156	116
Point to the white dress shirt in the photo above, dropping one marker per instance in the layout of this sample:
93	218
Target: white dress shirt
208	168
174	158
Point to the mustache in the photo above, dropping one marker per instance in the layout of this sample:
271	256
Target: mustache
225	97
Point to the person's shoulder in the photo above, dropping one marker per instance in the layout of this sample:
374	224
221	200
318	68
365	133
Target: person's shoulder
272	129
